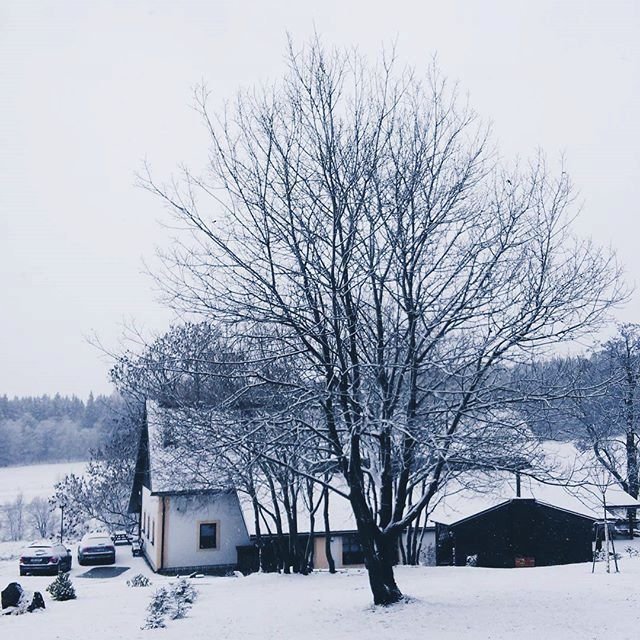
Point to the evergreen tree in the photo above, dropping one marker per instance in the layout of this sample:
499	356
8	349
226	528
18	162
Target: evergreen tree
62	588
158	609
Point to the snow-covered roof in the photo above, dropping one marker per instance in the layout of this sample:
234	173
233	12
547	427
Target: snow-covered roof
192	469
340	514
574	485
174	468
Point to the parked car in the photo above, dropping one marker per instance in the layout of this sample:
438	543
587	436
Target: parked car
45	557
120	537
96	548
621	530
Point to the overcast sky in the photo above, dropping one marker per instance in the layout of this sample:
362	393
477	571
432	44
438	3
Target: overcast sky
90	89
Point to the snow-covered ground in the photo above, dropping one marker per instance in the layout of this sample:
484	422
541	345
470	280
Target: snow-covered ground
34	480
565	602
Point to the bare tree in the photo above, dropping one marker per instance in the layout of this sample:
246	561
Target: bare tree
41	517
14	518
602	409
355	220
614	429
102	492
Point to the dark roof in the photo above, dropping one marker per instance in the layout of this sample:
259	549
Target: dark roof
500	505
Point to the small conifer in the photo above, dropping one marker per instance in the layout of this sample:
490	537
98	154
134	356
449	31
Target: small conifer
62	588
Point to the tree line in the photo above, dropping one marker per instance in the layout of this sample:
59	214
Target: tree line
97	497
57	428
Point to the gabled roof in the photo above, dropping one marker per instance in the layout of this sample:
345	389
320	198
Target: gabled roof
166	468
580	494
479	514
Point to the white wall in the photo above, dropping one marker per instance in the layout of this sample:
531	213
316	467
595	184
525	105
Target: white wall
184	513
320	557
151	527
427	555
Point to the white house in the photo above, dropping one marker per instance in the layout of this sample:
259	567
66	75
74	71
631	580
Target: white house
185	524
189	523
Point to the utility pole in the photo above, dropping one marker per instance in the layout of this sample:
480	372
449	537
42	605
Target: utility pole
606	533
62	506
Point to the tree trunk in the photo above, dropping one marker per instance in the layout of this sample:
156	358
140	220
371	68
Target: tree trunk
632	477
308	558
290	506
327	531
259	542
405	547
379	553
380	568
281	545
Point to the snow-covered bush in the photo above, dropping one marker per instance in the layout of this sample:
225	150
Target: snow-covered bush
184	590
139	581
174	602
472	561
632	552
157	609
62	588
183	595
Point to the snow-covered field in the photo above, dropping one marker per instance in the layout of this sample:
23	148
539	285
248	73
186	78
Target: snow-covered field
565	602
34	480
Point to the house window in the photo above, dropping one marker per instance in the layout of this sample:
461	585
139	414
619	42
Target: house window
208	535
351	550
153	532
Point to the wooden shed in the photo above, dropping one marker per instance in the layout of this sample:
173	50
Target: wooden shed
520	532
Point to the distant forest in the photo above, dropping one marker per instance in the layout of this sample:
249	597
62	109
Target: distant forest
54	429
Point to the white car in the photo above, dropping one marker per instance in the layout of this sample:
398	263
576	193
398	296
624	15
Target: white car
96	548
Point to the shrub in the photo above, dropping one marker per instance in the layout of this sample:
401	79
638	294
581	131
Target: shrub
632	551
62	588
174	602
139	581
157	609
185	591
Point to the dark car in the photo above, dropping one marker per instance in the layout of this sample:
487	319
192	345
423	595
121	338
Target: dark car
96	548
45	557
